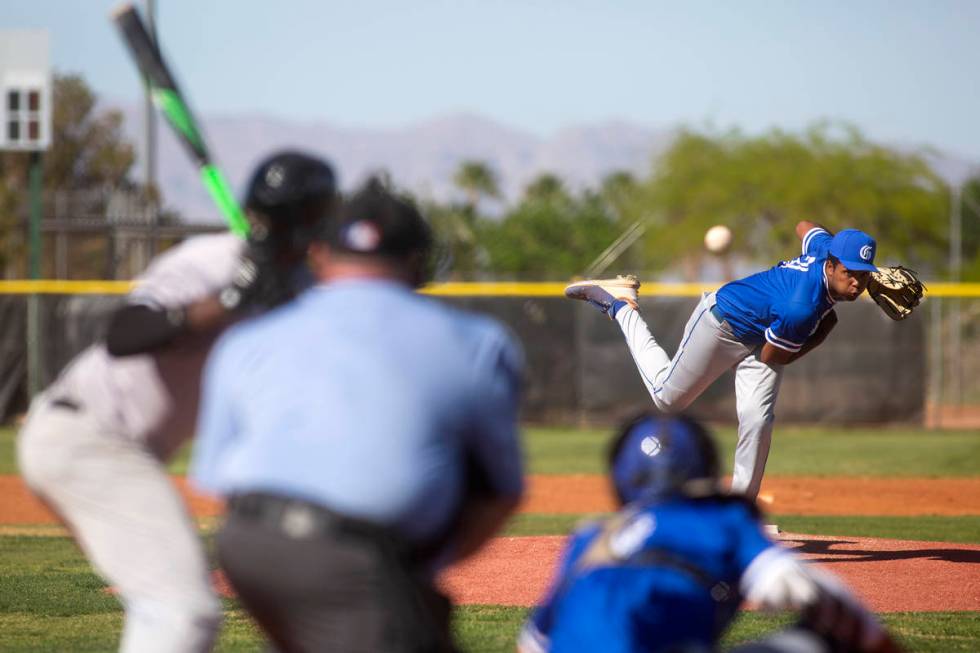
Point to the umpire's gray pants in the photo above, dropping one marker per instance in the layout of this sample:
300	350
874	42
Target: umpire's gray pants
315	586
707	349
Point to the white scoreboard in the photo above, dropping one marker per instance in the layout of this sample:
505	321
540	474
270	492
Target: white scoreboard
25	90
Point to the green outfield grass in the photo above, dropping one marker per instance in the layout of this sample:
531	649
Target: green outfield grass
930	528
811	451
492	628
796	451
50	599
487	629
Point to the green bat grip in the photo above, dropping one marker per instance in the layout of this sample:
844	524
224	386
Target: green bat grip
221	193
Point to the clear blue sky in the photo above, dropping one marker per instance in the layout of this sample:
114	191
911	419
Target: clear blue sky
904	71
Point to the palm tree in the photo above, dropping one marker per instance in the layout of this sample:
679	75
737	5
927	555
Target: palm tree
545	186
477	180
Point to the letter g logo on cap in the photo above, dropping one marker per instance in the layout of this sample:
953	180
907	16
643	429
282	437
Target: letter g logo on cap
865	253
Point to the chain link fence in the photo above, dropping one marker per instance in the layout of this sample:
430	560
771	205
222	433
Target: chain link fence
920	371
96	234
870	370
953	399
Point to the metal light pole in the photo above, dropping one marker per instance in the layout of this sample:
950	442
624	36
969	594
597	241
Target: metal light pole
956	270
35	361
26	118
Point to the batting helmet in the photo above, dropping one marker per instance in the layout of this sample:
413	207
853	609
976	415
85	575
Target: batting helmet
655	456
289	196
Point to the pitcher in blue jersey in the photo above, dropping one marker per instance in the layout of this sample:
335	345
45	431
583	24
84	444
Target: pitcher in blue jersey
667	573
755	325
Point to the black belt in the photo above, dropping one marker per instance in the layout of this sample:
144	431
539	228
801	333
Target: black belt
301	519
714	310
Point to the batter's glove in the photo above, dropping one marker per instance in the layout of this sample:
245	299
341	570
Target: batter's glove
896	290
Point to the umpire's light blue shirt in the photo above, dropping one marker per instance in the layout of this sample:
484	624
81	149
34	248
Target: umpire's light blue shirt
362	396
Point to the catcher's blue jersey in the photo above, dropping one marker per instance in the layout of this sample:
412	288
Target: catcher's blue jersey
655	577
784	304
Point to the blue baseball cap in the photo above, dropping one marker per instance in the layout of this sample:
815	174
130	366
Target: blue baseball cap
855	249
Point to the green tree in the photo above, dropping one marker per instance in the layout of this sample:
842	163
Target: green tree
549	234
457	243
88	151
88	147
971	229
457	226
761	186
477	180
545	187
620	191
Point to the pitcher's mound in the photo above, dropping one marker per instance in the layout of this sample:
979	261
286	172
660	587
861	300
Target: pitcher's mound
890	575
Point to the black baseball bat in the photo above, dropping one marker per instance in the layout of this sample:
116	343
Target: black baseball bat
172	103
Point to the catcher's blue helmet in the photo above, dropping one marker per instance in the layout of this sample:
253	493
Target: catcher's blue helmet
656	455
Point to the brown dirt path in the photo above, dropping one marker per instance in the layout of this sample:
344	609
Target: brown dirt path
582	493
19	506
890	575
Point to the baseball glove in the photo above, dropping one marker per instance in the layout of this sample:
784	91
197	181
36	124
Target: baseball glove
896	290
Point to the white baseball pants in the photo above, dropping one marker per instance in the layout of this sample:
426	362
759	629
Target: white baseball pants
130	522
707	350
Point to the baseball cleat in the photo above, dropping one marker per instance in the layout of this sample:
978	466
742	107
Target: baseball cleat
772	530
603	293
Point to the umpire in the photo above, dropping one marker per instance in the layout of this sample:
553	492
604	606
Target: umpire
365	437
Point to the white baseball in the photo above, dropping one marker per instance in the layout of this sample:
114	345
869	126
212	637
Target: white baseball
717	239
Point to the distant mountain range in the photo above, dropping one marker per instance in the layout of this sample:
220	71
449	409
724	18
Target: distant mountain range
423	156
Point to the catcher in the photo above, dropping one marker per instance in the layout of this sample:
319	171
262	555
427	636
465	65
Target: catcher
667	573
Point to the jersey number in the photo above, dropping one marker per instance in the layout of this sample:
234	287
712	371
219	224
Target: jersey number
802	263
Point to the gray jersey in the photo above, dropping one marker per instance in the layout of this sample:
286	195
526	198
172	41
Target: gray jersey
153	398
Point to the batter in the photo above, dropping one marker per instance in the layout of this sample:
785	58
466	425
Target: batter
96	442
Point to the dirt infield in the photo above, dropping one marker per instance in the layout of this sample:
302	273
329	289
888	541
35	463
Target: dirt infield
589	493
891	575
19	506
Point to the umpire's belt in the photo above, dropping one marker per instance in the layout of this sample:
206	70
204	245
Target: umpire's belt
301	519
